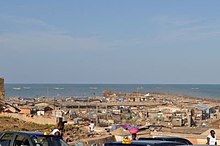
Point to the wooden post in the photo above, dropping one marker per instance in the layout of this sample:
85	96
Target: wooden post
106	107
97	120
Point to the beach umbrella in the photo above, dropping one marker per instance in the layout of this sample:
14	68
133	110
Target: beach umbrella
126	126
133	130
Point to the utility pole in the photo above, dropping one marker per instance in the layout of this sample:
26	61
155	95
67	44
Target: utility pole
2	90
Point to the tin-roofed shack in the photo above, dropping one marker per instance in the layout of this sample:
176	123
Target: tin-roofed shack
43	109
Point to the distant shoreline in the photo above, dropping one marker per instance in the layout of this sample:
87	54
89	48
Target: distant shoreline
81	90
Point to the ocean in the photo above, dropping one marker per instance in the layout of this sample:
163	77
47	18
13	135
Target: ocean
85	90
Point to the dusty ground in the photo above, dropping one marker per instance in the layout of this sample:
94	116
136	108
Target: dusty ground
7	123
72	133
215	124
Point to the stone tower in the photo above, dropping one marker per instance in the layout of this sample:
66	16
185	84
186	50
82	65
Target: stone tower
2	88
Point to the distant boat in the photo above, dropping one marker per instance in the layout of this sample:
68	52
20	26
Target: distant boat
93	88
17	88
27	88
58	88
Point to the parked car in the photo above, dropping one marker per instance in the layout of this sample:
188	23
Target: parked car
145	143
29	138
176	139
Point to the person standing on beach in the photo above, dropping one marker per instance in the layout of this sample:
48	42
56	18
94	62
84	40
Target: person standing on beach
91	127
61	126
211	138
134	136
56	132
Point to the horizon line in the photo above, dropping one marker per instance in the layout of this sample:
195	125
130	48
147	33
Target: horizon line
118	83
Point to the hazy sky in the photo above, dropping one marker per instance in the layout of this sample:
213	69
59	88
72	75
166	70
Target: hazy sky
110	41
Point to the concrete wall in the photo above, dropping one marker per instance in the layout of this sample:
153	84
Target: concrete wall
98	141
2	88
194	138
34	119
200	140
